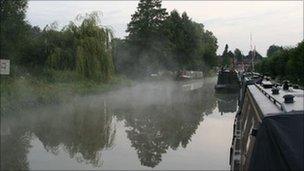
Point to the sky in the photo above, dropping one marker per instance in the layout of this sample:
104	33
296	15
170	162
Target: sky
232	22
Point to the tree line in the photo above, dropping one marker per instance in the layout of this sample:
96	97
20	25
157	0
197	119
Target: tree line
280	63
284	63
234	58
158	41
85	48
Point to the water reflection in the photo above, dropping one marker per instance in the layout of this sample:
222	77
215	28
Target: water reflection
158	116
84	130
227	103
165	124
15	142
155	130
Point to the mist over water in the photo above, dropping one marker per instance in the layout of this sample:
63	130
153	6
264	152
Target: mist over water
155	124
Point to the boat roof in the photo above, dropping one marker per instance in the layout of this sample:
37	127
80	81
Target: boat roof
271	104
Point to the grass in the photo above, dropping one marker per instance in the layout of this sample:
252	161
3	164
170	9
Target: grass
49	87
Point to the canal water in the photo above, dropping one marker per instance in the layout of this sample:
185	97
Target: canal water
152	125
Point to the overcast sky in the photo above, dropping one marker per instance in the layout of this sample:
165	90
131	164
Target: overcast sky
270	22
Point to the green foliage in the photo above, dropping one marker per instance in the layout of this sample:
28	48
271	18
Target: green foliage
238	54
146	42
192	46
284	63
86	48
94	50
210	42
158	41
59	47
274	49
14	29
77	48
146	21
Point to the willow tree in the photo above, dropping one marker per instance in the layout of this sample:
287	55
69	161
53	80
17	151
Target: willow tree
94	48
60	47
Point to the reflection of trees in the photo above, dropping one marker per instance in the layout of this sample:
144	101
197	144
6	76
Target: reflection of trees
156	127
83	130
157	118
14	148
207	98
147	140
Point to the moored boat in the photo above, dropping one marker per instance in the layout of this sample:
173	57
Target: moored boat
188	75
227	81
268	129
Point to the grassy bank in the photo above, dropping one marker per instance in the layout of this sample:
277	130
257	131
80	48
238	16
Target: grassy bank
25	90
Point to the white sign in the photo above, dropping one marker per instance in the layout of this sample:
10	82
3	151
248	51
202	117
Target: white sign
4	67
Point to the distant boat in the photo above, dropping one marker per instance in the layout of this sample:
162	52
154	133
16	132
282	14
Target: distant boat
227	81
187	75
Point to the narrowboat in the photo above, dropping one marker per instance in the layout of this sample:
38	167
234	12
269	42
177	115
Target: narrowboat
188	75
268	131
228	81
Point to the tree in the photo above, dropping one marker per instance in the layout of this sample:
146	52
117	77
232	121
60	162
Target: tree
273	49
14	29
238	55
284	63
192	46
295	64
173	29
145	36
175	43
94	49
85	48
146	21
210	47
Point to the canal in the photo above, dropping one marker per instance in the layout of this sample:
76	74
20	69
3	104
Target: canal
152	125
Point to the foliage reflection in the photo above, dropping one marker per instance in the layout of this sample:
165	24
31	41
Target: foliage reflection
158	117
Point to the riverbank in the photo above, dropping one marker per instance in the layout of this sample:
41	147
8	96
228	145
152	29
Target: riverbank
31	90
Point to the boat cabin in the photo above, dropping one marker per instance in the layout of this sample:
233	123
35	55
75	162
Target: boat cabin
268	129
